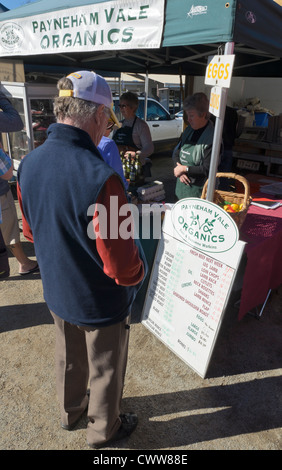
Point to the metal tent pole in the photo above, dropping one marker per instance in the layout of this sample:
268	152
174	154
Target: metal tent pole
229	48
146	95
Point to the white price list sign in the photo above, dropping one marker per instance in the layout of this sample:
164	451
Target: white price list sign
187	295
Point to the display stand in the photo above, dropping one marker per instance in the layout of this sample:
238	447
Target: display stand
34	103
191	282
259	311
264	304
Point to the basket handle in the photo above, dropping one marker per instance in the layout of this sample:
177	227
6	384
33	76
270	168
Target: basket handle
234	176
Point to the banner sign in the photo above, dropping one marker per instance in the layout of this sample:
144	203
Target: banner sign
191	281
127	24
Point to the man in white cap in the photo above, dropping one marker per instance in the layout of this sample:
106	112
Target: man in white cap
89	282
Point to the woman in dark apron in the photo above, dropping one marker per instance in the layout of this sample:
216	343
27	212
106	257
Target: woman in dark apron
123	138
134	134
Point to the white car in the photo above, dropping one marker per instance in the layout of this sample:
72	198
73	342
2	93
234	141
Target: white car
165	129
179	115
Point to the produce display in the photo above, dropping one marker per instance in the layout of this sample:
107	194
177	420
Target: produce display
231	207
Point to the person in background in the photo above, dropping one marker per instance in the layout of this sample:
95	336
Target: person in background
134	134
6	173
90	272
229	134
193	154
6	168
109	151
10	121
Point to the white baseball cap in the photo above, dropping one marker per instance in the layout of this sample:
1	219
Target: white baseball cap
89	86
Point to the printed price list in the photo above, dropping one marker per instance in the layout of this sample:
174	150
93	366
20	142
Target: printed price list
185	300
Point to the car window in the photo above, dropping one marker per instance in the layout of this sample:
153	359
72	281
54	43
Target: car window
140	109
156	113
117	110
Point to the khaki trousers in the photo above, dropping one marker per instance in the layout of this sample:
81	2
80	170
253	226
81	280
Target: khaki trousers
97	357
10	226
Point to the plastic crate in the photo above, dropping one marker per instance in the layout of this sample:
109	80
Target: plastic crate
261	119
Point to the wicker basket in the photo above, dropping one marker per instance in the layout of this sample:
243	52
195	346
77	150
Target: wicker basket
233	198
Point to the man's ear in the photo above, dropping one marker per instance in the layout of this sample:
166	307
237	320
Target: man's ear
99	113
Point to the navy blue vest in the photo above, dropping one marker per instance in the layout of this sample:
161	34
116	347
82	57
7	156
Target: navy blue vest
59	181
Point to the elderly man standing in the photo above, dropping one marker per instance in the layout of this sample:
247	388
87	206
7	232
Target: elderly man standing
89	282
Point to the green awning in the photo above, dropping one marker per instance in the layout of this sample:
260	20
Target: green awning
189	22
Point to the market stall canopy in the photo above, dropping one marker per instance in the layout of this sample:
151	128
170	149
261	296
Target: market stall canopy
3	8
155	36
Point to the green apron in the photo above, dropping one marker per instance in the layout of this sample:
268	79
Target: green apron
192	153
183	190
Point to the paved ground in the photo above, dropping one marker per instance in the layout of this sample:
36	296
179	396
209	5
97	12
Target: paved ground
238	405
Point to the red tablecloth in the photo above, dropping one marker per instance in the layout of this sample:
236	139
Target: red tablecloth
262	230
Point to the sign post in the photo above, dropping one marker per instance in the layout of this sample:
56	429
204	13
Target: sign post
191	280
218	73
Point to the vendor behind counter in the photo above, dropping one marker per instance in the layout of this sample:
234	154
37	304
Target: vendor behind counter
134	134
